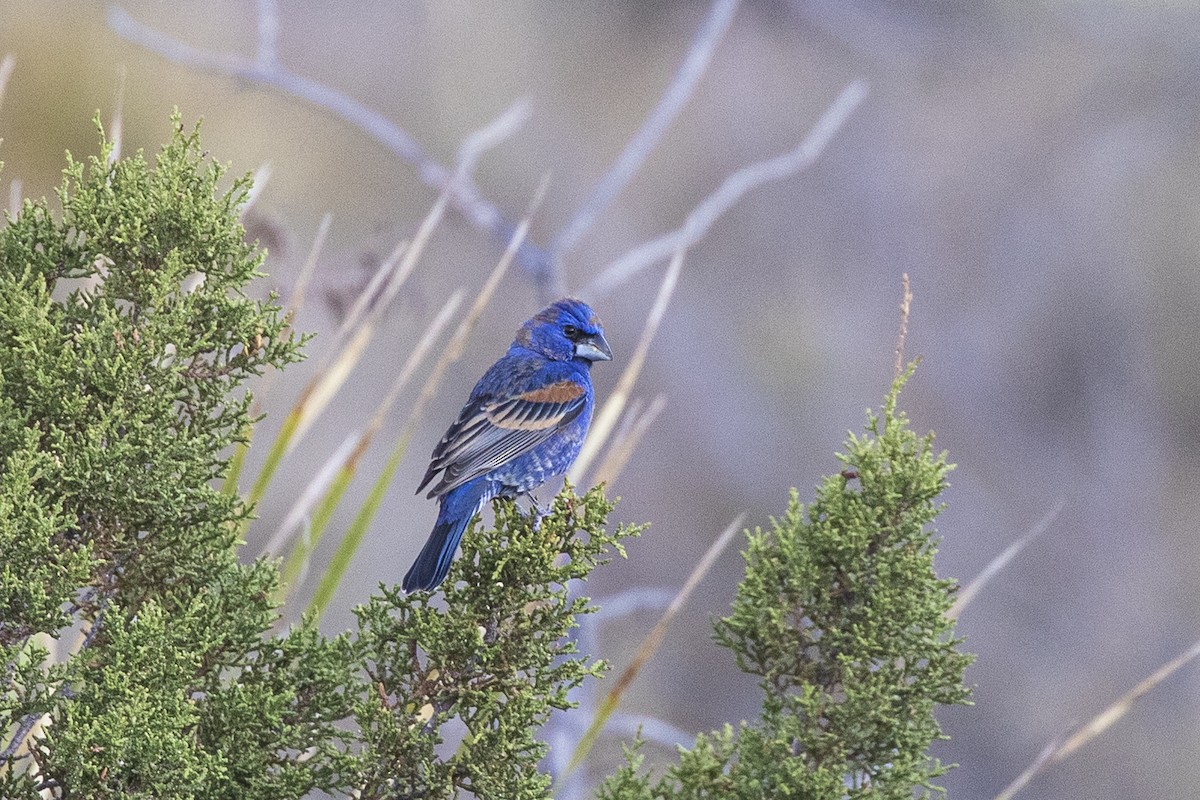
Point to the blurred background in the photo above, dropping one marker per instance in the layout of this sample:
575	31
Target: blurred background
1032	167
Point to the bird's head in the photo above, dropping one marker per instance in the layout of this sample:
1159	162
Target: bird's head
565	330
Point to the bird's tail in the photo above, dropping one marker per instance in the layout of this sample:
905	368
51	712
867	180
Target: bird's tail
431	566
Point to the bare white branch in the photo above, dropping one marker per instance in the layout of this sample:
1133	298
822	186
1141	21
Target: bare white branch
480	141
730	192
676	95
265	69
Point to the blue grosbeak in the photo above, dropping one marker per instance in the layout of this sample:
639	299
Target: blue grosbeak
524	423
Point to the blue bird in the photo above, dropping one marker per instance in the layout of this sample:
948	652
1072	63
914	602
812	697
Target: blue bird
523	424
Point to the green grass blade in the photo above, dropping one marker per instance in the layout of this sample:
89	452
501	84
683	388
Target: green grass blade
237	462
305	545
358	528
278	448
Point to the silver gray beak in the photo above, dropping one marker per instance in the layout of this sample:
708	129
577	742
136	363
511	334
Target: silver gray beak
593	348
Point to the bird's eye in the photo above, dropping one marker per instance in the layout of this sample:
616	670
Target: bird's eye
570	331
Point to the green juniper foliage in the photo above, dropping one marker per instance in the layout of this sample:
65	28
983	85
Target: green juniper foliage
843	619
124	336
462	686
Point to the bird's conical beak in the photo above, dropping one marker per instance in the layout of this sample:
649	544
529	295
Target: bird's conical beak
593	348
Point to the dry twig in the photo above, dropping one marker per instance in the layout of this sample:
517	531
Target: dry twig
905	305
677	93
650	644
730	191
265	68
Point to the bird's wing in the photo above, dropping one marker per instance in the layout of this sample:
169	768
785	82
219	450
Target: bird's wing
491	431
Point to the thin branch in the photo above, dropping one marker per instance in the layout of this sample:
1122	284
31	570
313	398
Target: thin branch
905	305
264	68
676	95
494	133
729	193
29	721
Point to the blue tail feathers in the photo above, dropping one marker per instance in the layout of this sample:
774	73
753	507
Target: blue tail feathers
431	566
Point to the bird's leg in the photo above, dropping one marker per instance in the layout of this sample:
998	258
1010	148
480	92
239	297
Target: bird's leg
536	510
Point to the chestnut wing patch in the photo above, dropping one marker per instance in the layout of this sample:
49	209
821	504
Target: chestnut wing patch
537	409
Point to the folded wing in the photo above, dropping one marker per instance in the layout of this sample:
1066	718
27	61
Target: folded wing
492	431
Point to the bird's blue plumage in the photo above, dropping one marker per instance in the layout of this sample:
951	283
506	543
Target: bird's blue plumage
522	425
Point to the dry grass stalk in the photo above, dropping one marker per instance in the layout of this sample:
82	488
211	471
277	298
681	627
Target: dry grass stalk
610	412
352	448
905	305
627	439
972	589
650	644
1061	749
